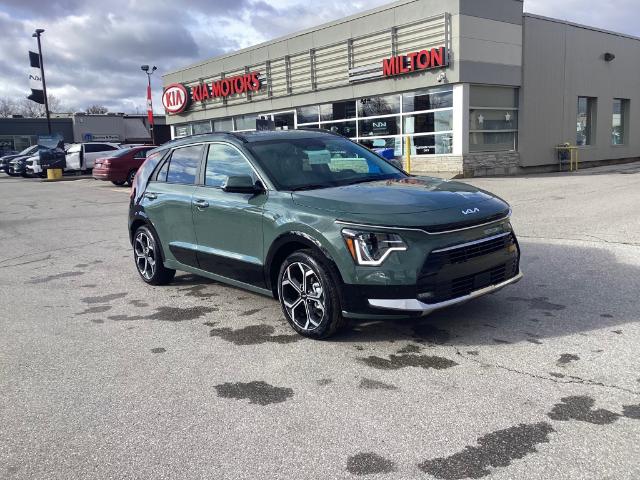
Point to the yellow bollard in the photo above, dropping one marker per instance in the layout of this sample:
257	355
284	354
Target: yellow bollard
54	173
407	149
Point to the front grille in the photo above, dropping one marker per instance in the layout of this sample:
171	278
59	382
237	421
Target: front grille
458	271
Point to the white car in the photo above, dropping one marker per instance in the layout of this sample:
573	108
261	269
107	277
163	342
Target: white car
82	156
33	166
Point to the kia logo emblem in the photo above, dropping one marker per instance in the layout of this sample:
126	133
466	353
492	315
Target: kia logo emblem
175	98
469	211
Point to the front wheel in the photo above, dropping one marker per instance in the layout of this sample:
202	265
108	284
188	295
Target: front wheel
130	176
146	252
308	295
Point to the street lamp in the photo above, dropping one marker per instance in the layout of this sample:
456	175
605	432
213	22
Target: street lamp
36	35
145	69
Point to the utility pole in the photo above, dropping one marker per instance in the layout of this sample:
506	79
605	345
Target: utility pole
37	34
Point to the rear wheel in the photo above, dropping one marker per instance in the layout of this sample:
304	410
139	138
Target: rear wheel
308	295
146	252
130	176
119	183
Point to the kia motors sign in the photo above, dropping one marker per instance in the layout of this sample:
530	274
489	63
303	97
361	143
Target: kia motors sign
175	98
415	61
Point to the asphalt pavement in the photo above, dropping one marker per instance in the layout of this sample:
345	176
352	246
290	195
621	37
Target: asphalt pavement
105	377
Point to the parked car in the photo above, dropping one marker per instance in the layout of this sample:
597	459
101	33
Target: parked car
321	223
5	160
121	166
81	156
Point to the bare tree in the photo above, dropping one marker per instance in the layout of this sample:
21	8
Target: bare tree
97	109
30	109
8	107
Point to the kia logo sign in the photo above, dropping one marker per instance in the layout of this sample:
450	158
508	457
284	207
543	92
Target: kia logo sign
175	98
469	211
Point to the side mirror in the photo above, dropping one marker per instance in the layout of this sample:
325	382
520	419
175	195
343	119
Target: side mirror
241	184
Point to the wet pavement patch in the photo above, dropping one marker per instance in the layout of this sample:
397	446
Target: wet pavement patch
253	335
260	393
473	352
55	277
98	320
567	358
176	314
606	315
631	411
556	374
250	312
496	449
535	341
538	303
617	332
580	408
198	291
500	341
138	303
431	334
323	382
410	349
368	384
104	298
158	350
369	464
396	362
96	309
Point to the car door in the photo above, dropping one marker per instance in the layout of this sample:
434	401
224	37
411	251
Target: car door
167	202
228	225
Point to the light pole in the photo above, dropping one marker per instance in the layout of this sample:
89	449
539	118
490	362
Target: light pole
145	69
37	34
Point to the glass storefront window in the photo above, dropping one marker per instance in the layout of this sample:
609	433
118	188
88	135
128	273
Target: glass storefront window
338	110
223	125
376	106
491	141
381	144
426	100
484	119
246	122
348	129
585	120
429	122
182	130
376	127
441	144
201	127
618	126
308	114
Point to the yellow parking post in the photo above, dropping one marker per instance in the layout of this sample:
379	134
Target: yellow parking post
407	149
54	173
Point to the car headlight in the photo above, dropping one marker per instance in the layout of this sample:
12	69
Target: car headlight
372	248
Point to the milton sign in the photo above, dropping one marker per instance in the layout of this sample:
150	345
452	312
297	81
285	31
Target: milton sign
415	61
177	97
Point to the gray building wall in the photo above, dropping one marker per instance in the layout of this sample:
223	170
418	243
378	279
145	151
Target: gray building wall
36	126
561	62
485	45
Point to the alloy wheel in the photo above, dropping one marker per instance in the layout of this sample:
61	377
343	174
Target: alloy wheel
303	296
145	254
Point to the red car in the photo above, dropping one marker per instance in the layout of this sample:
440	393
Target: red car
122	165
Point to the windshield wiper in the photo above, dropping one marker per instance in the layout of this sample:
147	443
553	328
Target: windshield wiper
365	180
308	187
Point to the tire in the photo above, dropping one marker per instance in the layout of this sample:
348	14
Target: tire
25	175
12	174
308	295
118	183
147	257
130	176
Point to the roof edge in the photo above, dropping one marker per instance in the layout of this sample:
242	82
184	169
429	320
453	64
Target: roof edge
580	25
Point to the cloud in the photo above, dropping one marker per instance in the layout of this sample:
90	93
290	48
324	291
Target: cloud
93	49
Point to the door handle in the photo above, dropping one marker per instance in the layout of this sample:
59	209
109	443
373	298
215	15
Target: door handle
201	203
150	195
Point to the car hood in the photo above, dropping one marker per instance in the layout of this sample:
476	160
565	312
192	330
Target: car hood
409	195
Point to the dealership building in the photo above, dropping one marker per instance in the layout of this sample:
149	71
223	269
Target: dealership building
477	87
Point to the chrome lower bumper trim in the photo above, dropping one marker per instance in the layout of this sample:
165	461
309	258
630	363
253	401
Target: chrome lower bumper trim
415	305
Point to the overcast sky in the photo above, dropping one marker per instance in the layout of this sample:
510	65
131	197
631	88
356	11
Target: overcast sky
93	49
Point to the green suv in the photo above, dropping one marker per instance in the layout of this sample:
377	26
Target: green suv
326	226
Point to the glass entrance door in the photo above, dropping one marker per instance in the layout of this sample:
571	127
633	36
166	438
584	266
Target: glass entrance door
282	120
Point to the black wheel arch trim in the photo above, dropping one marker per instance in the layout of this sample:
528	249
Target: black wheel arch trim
141	218
295	237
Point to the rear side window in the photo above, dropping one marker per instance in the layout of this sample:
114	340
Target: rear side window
183	165
98	147
141	153
224	161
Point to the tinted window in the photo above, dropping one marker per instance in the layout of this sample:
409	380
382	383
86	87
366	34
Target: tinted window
98	147
141	153
224	161
183	164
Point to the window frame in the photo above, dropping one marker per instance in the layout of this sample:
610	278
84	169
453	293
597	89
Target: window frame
203	166
592	121
624	121
167	161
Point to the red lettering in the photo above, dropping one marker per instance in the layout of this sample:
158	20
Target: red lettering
438	57
204	92
388	67
216	89
424	59
238	84
195	93
255	80
403	64
225	87
168	100
412	60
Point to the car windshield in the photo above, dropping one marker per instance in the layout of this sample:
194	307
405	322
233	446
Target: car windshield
311	163
28	150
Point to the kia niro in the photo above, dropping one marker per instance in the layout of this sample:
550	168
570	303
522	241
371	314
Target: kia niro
329	228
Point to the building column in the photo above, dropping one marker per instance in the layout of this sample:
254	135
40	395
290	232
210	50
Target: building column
460	118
